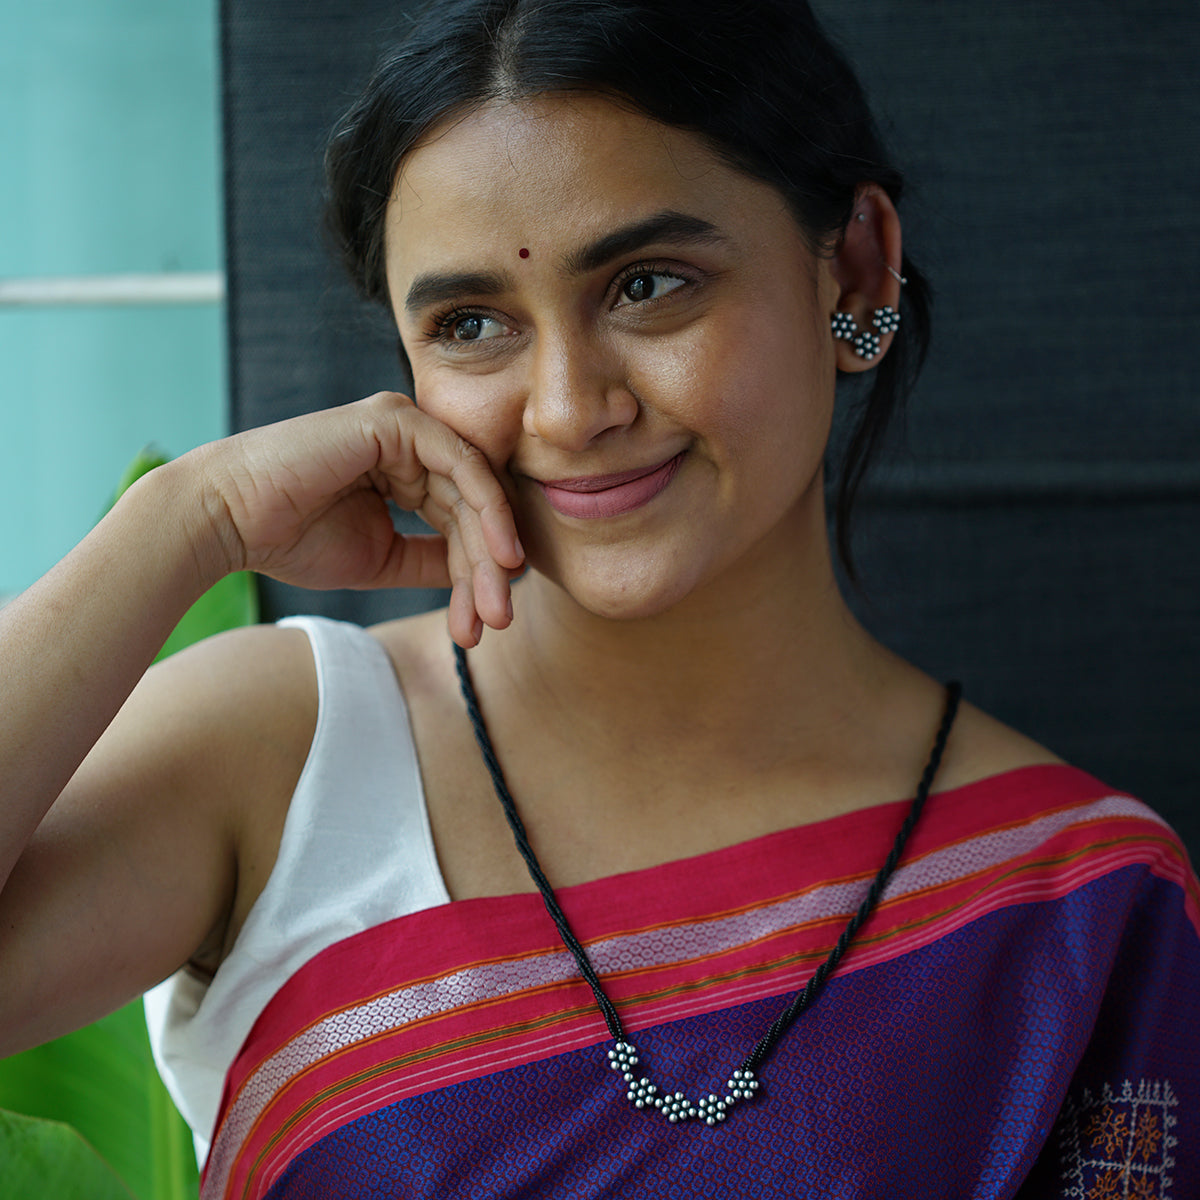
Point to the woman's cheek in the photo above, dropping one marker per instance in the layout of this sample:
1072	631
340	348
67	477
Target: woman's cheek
671	375
479	408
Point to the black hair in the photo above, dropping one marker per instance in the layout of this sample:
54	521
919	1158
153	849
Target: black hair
758	80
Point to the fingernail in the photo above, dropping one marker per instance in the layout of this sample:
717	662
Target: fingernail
518	549
477	630
508	608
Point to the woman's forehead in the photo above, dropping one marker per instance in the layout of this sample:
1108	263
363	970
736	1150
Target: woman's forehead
562	129
551	170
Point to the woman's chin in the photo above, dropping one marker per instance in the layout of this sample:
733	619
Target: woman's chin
618	590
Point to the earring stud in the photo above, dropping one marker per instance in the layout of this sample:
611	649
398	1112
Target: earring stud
843	326
886	319
866	345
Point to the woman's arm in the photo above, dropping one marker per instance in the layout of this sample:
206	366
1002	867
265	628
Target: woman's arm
120	838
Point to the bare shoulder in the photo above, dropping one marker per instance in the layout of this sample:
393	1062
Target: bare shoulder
229	711
422	655
213	738
981	746
262	674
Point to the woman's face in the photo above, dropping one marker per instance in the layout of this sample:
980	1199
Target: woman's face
633	333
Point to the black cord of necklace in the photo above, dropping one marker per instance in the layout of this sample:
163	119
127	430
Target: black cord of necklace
611	1017
804	998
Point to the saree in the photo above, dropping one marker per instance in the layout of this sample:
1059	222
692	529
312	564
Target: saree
1018	1017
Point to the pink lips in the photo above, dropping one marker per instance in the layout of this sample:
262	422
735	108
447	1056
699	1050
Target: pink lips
592	496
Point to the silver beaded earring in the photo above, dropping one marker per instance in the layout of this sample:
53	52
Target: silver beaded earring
843	326
886	319
866	344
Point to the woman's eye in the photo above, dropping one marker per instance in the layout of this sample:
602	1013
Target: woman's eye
648	285
473	327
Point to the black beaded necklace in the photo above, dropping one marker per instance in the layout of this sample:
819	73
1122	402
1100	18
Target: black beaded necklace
623	1057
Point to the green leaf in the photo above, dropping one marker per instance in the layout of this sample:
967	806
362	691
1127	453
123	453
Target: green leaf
47	1160
101	1081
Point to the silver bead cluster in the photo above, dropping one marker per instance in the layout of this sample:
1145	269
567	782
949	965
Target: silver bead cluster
866	343
843	325
642	1093
676	1107
886	319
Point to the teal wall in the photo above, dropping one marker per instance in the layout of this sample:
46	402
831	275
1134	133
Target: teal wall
109	153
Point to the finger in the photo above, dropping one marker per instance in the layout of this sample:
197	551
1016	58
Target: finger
415	561
469	554
463	622
495	516
430	469
475	484
463	619
476	575
500	532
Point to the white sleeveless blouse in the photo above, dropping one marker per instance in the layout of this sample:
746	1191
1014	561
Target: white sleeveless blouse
356	851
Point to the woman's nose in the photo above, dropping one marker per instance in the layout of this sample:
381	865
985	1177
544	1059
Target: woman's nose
576	392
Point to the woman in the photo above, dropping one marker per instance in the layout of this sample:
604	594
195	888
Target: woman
629	257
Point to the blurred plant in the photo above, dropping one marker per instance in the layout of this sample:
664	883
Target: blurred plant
47	1158
87	1116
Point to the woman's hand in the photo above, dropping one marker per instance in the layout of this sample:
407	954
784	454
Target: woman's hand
305	501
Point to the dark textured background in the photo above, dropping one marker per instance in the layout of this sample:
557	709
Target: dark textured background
1037	533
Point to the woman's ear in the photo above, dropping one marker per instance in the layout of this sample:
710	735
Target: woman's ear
866	269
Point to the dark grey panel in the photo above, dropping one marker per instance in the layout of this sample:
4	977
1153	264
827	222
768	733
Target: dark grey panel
1054	150
1076	623
299	339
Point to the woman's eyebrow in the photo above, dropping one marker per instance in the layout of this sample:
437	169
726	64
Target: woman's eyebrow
665	226
438	288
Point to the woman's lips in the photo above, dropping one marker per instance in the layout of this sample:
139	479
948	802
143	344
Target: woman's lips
592	496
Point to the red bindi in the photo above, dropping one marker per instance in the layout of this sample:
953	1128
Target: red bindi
523	252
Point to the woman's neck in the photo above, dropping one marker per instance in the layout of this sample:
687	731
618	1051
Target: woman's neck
755	704
766	648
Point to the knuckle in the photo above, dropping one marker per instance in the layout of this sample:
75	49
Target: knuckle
469	456
460	510
459	570
387	401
